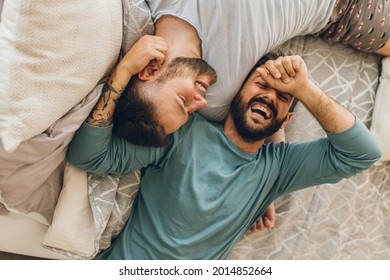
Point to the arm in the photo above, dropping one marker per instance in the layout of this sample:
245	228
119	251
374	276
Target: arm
94	148
145	50
349	148
289	74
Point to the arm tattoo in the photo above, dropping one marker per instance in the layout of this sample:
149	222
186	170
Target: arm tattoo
103	112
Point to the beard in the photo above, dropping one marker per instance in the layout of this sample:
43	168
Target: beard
187	67
253	134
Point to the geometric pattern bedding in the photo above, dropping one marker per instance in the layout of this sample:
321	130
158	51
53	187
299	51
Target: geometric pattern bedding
348	220
111	198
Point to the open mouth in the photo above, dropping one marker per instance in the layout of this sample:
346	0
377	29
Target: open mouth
202	86
261	110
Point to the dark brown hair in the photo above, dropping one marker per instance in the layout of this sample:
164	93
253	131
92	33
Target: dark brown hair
135	119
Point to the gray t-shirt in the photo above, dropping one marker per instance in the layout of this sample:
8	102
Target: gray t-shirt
235	34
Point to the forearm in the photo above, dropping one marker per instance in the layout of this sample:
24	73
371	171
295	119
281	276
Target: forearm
103	112
332	116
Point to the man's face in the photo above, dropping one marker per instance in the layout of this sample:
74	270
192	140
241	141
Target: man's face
180	90
259	111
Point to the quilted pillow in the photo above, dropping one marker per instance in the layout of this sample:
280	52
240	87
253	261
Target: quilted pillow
52	54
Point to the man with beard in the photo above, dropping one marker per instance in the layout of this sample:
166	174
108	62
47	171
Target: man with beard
204	189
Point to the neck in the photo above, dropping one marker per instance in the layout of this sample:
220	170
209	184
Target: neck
181	37
231	132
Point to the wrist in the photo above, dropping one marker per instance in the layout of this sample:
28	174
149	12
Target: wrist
306	90
120	78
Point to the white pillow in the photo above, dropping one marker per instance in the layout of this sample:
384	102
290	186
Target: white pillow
380	126
72	231
52	54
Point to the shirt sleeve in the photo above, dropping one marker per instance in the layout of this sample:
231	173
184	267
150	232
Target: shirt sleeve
328	159
98	150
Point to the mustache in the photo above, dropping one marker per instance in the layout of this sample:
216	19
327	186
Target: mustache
269	104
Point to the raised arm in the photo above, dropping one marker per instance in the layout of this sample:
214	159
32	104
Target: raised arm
94	148
349	147
145	50
289	74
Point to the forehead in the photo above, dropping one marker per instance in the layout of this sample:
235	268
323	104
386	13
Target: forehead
255	77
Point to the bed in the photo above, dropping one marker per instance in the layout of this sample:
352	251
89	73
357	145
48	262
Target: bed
50	209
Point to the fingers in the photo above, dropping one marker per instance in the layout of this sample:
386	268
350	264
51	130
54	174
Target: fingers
284	67
161	48
270	216
154	47
158	56
147	49
261	224
297	62
266	221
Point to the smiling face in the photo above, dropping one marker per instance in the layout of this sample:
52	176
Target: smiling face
177	99
258	111
180	90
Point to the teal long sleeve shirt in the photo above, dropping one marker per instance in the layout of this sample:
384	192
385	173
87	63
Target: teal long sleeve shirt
200	193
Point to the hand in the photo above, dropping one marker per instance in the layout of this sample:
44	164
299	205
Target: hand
146	49
285	74
267	220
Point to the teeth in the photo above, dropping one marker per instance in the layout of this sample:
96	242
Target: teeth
199	85
265	111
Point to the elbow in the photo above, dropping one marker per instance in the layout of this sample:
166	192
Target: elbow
373	154
94	164
75	161
368	160
77	158
376	155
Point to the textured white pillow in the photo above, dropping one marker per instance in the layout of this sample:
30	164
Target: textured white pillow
380	125
52	54
72	231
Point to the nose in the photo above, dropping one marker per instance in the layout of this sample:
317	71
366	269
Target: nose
271	94
197	102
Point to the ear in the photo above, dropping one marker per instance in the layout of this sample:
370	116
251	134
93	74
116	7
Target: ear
149	71
287	120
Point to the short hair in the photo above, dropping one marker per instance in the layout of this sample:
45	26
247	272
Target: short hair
135	119
269	56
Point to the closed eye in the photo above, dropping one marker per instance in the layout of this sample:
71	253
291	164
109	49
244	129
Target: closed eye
183	100
285	96
262	85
